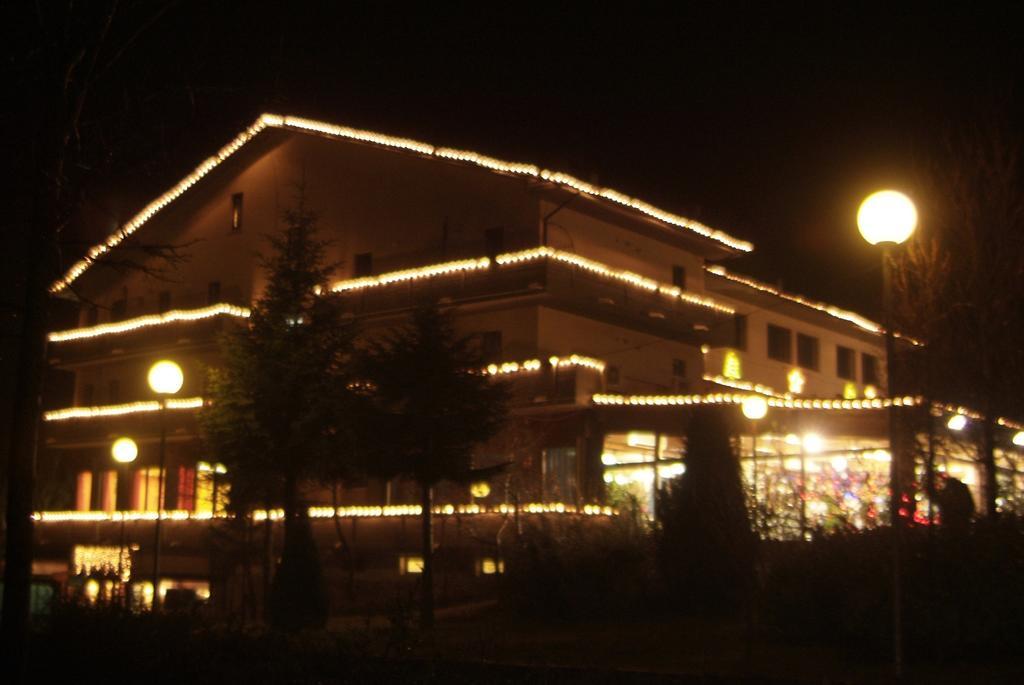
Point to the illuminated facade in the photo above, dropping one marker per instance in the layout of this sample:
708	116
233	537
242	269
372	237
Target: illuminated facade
609	316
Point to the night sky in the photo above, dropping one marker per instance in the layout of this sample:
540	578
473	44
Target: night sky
771	126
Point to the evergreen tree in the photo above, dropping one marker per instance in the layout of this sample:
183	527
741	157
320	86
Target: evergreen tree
705	546
432	407
281	412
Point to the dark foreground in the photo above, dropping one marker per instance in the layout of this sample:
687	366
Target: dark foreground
484	644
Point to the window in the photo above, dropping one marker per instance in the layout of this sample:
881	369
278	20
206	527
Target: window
490	346
144	494
494	241
186	488
740	323
119	309
114	391
236	212
612	375
363	264
92	316
88	394
83	491
846	362
410	564
163	303
559	474
780	343
679	276
679	368
869	369
807	351
213	292
108	491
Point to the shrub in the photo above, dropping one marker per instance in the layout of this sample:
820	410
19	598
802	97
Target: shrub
580	569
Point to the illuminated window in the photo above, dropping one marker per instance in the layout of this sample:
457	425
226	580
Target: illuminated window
740	332
408	565
807	351
83	491
869	369
846	363
363	265
679	276
236	212
163	301
559	470
494	241
780	343
213	292
186	488
144	494
108	491
489	566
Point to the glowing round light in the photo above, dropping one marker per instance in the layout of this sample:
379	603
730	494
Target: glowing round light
165	377
755	407
124	450
481	489
956	422
813	443
1018	439
887	216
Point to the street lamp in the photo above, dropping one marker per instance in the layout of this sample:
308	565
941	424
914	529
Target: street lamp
124	451
888	218
165	378
754	408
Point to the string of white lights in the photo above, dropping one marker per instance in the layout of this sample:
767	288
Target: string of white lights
121	409
345	132
326	512
129	325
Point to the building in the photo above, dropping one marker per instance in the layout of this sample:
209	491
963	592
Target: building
609	315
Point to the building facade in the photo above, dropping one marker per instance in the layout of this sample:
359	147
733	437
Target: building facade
608	315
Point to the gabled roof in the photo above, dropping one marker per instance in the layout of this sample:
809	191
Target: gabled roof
343	132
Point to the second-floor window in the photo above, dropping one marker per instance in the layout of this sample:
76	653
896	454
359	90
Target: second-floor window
679	276
869	369
363	265
807	351
114	391
780	343
213	292
92	315
846	363
119	309
163	303
494	241
740	337
679	368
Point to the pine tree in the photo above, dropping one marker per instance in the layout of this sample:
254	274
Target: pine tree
281	413
706	548
432	405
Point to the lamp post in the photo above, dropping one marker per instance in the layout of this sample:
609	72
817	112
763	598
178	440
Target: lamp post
754	408
165	378
888	218
124	451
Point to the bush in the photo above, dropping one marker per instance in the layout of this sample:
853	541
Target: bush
963	591
580	569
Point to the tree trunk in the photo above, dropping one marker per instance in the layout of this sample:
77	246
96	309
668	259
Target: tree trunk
268	562
346	550
988	463
21	467
427	578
